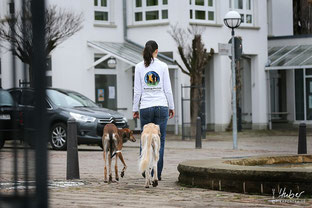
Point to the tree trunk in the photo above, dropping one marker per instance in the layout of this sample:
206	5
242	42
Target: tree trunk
195	101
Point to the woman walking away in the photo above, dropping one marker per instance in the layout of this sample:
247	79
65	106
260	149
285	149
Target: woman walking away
153	100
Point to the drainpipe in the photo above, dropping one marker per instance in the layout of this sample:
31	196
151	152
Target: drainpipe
124	8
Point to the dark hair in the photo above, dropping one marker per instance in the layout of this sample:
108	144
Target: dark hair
150	47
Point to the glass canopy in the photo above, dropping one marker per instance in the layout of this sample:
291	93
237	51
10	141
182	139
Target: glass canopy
296	56
127	51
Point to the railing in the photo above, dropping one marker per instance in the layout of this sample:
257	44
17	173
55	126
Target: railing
24	168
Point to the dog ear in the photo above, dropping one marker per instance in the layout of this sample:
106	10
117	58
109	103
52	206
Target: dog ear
125	135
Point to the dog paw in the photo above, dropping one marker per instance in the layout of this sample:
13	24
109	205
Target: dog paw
105	181
122	174
146	186
110	179
155	183
117	179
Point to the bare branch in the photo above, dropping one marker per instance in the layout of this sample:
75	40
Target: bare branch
60	25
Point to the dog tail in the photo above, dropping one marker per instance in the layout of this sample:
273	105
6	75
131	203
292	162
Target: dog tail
146	152
110	144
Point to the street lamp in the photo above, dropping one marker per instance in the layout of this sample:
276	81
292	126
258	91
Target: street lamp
232	20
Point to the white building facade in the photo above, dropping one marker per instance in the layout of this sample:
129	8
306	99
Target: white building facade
114	30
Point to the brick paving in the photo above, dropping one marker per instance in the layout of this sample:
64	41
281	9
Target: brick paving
130	191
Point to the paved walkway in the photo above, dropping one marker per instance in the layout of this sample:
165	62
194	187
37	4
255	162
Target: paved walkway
130	191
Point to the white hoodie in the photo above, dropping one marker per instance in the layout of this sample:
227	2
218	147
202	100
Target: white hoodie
152	86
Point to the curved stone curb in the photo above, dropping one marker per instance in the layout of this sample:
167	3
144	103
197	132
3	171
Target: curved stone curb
224	175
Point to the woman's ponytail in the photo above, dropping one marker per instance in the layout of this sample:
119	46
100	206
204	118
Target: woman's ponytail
148	51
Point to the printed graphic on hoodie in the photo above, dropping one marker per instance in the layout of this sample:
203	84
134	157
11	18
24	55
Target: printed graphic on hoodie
151	78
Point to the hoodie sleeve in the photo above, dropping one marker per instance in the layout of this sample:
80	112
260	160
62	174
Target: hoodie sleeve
137	89
167	88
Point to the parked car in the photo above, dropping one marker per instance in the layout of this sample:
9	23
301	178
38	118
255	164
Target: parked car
61	105
10	124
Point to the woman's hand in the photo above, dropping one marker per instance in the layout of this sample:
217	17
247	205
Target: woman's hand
171	113
136	115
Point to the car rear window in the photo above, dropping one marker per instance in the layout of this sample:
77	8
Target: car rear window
6	99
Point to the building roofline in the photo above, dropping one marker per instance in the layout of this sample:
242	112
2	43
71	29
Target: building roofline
290	37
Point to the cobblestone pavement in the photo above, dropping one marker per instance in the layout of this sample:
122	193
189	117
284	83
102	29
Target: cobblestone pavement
130	191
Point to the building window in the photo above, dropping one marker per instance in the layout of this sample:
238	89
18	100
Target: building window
245	9
203	11
109	63
101	10
150	11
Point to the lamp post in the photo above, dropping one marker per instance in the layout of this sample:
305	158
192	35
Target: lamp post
232	20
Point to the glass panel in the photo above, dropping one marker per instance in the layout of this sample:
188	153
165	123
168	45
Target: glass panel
308	71
299	94
230	3
238	4
164	14
95	2
249	18
210	15
200	2
103	16
309	98
190	2
280	53
248	6
165	2
151	2
138	16
210	3
106	91
243	17
138	3
290	55
191	14
152	15
273	50
200	15
308	62
301	60
104	3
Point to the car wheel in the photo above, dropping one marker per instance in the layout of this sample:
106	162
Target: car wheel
1	142
58	136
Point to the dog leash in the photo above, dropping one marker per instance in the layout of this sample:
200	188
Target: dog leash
115	153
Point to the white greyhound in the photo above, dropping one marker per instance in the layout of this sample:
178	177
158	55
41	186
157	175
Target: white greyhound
150	144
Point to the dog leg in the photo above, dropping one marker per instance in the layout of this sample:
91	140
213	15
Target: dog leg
154	162
147	178
110	178
116	168
105	167
155	177
124	164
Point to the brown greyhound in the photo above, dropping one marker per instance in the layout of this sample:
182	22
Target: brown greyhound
112	140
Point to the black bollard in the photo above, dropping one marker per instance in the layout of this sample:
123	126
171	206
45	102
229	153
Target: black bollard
198	143
72	151
302	139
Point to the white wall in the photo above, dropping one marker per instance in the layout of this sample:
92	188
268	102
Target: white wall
281	14
71	59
